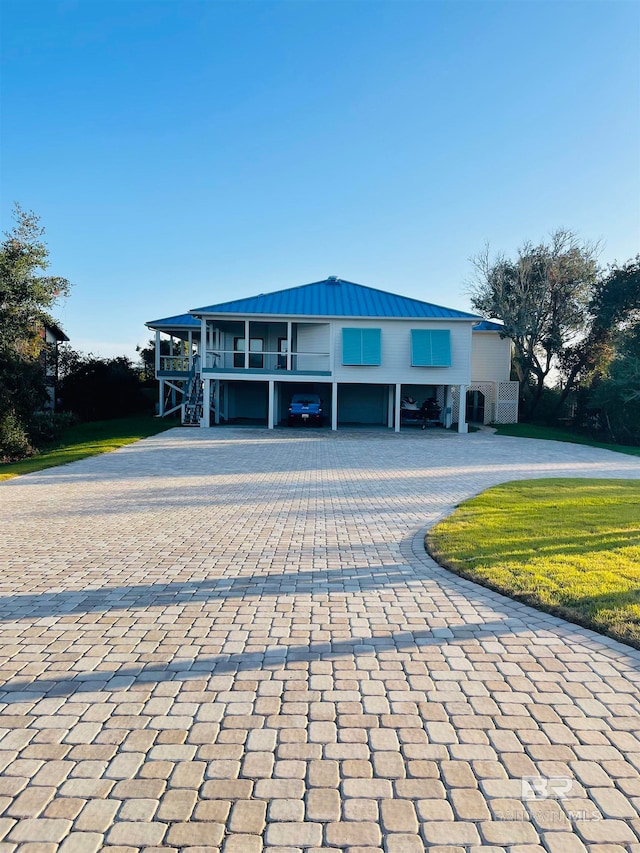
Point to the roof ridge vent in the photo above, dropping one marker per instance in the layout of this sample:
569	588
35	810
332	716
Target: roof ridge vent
333	279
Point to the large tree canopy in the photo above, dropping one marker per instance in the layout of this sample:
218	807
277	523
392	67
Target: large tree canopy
26	295
613	310
542	297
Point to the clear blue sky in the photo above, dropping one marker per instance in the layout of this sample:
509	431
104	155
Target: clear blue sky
181	152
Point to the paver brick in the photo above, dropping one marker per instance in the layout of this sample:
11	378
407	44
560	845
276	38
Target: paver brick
195	834
294	834
323	804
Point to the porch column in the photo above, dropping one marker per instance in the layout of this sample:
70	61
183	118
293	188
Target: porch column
271	404
397	406
157	352
203	343
462	410
334	406
390	406
447	420
217	403
246	344
289	336
190	345
206	404
161	399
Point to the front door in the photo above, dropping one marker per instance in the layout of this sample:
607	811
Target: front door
475	407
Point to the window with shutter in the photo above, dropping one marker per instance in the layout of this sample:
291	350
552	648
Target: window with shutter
361	346
430	348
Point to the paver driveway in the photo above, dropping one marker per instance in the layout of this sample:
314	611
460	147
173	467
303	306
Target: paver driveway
233	639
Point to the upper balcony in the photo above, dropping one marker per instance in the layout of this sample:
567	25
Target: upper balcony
275	347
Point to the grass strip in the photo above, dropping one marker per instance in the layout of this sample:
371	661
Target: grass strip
87	439
570	547
560	434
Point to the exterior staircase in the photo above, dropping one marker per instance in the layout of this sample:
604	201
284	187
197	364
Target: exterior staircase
192	409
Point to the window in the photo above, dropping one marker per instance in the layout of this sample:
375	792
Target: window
256	347
430	348
283	348
361	346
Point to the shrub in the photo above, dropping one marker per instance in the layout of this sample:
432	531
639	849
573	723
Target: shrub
14	441
47	427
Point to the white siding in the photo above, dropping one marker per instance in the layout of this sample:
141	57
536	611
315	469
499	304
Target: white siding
313	338
396	353
490	357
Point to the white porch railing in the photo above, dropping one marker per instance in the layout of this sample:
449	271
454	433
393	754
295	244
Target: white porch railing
175	363
268	361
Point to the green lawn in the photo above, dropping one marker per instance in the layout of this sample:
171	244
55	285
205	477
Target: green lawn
568	546
559	434
88	439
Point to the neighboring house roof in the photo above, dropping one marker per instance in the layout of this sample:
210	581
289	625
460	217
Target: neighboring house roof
488	326
56	331
334	297
180	320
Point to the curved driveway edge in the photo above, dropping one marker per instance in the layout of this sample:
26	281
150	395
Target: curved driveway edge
233	640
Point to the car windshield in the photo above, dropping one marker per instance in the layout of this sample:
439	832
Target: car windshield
305	398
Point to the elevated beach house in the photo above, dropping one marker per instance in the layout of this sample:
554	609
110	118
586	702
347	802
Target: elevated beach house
362	351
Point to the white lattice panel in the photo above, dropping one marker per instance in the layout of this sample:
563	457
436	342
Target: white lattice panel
507	403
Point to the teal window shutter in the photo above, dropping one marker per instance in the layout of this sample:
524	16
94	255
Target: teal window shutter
371	346
361	346
430	348
351	346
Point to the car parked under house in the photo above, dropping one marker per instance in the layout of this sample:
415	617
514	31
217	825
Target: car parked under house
358	349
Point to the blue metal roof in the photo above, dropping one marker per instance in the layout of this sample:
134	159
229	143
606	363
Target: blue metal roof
334	298
174	322
487	326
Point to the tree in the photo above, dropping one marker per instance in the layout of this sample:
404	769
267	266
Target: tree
543	299
615	398
613	310
25	299
102	388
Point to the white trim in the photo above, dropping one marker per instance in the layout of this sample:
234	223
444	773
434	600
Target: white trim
397	407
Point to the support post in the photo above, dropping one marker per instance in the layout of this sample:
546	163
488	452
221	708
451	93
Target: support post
246	344
462	410
161	399
190	345
397	407
390	406
217	404
206	403
448	419
270	405
157	352
334	406
289	337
